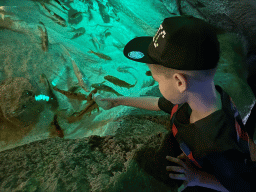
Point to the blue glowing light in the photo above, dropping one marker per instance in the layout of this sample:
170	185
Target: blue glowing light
42	97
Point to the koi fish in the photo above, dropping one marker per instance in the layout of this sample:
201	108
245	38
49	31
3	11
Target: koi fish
56	129
101	55
44	37
106	88
118	82
53	99
71	95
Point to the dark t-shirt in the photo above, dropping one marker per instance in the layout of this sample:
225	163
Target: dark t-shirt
213	139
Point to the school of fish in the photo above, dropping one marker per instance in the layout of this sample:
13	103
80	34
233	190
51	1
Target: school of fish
83	81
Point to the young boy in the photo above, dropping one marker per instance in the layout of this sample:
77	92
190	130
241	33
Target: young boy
183	58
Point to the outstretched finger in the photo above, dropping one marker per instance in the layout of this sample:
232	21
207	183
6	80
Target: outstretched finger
182	156
176	160
177	176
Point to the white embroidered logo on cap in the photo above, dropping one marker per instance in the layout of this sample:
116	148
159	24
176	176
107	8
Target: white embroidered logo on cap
136	55
155	38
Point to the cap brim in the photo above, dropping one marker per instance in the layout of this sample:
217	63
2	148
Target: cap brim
137	50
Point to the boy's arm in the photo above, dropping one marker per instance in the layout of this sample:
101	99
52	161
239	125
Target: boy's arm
147	102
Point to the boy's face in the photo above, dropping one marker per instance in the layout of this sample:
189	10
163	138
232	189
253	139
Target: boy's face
172	89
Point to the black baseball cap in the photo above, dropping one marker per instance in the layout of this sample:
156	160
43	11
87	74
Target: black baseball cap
181	42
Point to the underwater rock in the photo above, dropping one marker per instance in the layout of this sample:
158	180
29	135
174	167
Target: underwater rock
18	102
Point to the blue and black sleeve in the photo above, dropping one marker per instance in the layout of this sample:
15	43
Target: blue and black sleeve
233	171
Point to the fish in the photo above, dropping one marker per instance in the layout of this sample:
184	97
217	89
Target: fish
53	99
79	32
102	87
88	109
62	5
118	82
71	95
104	12
73	89
199	4
100	71
60	20
119	46
100	55
95	41
107	34
124	69
57	19
45	8
76	15
148	73
56	129
3	13
44	36
59	76
55	6
90	15
82	79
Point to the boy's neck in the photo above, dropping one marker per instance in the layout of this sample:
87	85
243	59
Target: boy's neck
201	107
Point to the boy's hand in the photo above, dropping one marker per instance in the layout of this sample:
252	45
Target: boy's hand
108	103
188	173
